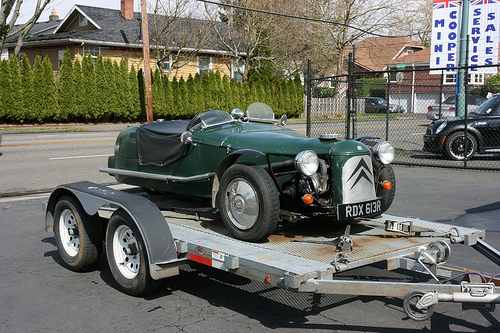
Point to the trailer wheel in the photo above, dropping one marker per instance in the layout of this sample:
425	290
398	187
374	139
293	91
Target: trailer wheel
78	235
410	307
249	202
127	255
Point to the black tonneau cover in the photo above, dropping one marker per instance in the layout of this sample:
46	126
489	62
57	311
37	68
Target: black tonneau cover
159	143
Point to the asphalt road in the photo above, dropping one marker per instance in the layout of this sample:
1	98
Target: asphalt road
40	295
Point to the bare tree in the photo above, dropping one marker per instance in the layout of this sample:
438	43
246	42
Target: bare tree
352	20
177	34
8	29
242	32
416	21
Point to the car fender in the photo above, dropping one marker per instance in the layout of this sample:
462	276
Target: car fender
477	135
226	163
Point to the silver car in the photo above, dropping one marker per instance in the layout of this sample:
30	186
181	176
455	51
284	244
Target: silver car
448	107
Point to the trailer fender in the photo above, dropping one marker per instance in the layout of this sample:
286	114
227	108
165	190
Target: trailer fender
147	217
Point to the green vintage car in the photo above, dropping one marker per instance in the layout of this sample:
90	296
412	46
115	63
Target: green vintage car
254	170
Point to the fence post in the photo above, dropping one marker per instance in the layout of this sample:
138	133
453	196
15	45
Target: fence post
309	95
388	102
349	97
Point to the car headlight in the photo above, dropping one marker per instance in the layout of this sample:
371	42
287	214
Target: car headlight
440	127
306	162
383	152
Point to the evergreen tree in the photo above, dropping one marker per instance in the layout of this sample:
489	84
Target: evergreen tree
191	97
182	95
158	95
228	103
78	97
88	89
27	89
4	82
112	95
52	106
299	93
199	94
102	91
14	100
66	89
142	93
175	97
169	98
123	83
135	105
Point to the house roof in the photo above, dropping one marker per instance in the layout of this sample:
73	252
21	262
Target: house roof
420	57
374	53
109	28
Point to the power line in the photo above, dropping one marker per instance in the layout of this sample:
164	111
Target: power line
297	17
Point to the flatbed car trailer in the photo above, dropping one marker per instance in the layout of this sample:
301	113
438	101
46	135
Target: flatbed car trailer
147	238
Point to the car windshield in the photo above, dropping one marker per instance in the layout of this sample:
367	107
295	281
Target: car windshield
449	100
260	112
215	117
490	106
380	101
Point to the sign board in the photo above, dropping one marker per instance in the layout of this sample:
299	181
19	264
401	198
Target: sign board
484	34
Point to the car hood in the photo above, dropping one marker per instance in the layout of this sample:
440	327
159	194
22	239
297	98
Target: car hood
276	140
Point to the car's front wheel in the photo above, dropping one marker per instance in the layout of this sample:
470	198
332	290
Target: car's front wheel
248	202
455	146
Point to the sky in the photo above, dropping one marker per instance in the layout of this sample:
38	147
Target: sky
62	7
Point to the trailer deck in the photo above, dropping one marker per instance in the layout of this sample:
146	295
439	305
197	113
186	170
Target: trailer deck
304	256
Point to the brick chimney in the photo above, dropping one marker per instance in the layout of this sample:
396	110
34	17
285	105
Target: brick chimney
127	9
53	16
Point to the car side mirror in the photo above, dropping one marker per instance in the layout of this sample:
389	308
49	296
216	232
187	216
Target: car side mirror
237	113
283	120
186	137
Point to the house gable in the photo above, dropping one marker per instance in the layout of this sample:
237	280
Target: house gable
373	53
76	20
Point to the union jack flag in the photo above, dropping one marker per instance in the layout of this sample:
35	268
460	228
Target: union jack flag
483	2
438	4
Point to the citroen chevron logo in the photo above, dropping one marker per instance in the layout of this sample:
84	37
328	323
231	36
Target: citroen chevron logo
364	172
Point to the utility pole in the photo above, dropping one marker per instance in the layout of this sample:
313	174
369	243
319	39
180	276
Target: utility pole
147	69
462	61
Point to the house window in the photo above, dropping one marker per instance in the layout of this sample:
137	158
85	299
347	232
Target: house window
237	67
5	54
475	78
164	62
204	65
409	51
20	57
60	55
94	51
82	21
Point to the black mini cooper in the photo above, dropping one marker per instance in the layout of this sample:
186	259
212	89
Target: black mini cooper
483	133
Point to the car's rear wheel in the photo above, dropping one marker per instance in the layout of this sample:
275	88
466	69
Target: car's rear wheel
455	146
78	235
249	202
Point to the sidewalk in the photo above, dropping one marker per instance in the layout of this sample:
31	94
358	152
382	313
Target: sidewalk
17	129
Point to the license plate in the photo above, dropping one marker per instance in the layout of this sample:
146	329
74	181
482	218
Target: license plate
349	211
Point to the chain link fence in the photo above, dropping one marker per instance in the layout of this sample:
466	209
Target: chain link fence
419	100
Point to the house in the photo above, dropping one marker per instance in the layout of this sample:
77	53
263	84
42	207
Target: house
117	34
374	53
419	87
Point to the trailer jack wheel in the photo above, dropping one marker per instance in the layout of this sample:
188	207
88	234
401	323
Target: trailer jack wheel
411	309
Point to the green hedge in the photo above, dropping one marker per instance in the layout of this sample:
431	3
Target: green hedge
371	87
101	90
